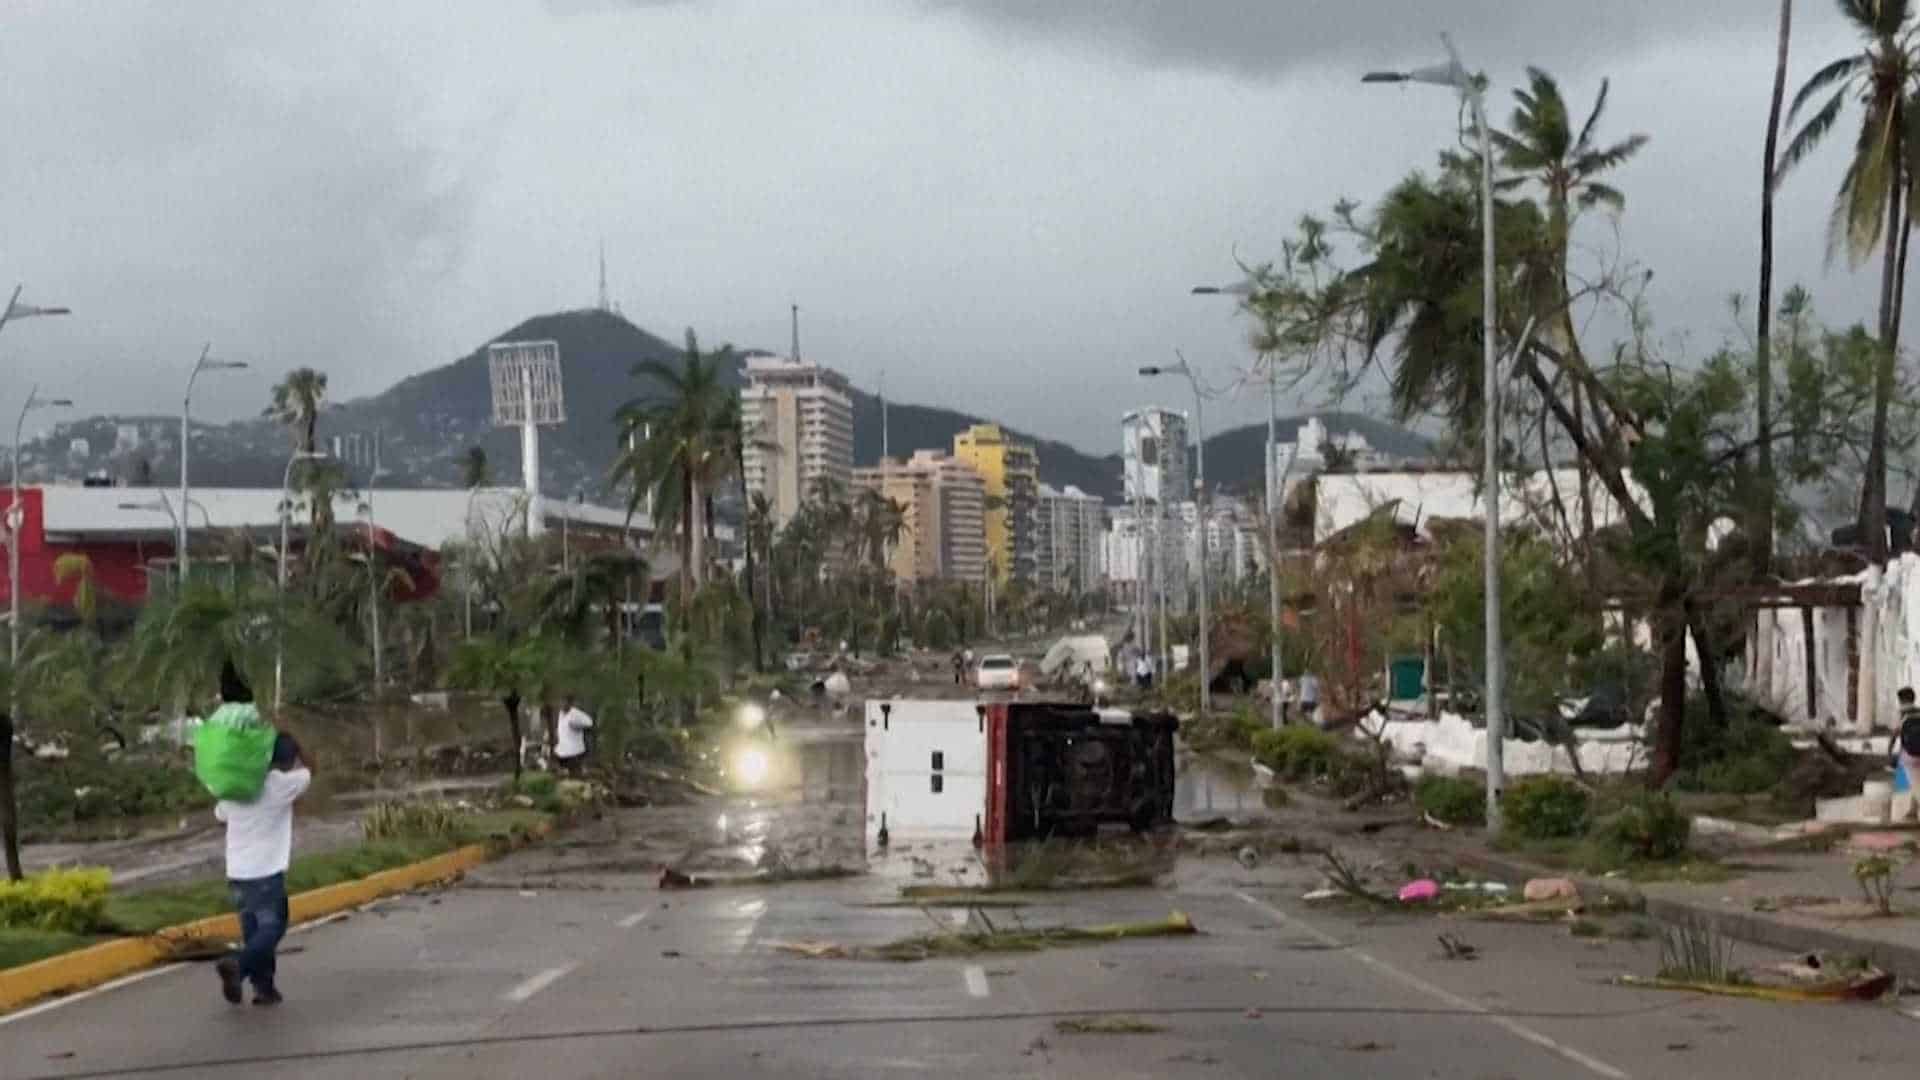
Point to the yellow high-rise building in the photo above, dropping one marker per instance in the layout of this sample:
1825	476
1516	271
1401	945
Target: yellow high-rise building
1010	473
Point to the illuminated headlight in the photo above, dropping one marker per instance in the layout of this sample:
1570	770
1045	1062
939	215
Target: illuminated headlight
751	716
751	766
1099	686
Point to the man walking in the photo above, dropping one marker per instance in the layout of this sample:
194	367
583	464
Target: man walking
570	738
1310	697
259	847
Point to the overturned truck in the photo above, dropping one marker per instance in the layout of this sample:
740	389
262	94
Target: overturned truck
1006	772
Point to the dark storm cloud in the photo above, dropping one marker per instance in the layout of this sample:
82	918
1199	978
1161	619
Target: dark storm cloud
1265	38
241	176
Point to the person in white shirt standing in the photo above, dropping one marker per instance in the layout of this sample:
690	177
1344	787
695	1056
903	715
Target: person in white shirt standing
570	737
259	848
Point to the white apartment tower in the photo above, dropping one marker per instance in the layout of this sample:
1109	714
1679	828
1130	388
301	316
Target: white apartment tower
799	418
1153	455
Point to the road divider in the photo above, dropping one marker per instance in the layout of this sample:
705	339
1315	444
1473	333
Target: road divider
95	965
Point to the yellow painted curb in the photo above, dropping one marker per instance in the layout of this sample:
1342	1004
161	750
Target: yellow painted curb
97	964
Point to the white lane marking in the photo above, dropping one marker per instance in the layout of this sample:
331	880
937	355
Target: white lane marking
977	981
142	976
538	983
1513	1027
632	920
750	907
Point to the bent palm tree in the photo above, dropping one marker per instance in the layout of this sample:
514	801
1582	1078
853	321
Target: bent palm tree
1872	206
1542	149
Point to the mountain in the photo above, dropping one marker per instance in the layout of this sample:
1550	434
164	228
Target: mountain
425	423
927	427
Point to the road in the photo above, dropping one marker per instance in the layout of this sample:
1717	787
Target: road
567	961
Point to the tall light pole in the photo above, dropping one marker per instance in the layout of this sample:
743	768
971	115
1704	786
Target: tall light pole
1276	498
16	520
1454	75
205	363
280	571
376	581
1200	500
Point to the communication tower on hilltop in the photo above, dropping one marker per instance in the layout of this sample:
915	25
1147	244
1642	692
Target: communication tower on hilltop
527	394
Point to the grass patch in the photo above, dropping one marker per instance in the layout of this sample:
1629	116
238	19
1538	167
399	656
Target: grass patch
24	946
1591	856
1106	1025
148	910
1452	799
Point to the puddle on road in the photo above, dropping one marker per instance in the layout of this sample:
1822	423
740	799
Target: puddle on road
1207	787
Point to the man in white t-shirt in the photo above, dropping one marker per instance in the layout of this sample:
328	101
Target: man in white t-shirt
259	848
570	737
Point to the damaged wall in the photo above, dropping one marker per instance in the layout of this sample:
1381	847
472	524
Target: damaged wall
1452	743
1861	656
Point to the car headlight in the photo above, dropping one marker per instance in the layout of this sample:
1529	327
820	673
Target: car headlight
751	766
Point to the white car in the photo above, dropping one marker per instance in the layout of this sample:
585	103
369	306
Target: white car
998	672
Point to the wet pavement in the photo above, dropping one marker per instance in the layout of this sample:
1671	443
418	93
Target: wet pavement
569	960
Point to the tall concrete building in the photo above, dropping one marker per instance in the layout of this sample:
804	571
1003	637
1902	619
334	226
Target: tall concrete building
944	535
1069	540
1154	456
799	419
1011	472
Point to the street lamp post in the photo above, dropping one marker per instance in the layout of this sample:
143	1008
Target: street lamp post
16	520
280	571
205	363
1454	75
1200	500
1276	498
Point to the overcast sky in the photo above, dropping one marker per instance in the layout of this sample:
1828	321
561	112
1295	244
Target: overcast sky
999	203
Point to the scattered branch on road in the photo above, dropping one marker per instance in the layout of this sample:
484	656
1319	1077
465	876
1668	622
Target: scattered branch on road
974	942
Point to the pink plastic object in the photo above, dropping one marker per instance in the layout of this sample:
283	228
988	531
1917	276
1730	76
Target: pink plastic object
1416	892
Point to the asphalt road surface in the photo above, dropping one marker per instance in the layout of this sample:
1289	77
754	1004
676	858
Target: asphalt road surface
567	961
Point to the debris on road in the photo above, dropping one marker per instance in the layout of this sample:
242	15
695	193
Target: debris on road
1419	892
1558	888
1455	949
1322	894
1105	1025
990	940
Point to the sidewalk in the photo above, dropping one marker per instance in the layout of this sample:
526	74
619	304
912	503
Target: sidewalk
1792	902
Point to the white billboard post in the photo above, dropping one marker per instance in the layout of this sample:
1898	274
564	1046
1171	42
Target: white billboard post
527	395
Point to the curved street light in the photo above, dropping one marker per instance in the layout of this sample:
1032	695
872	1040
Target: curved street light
1454	75
205	363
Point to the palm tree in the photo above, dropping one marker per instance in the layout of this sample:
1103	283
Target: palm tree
297	401
1542	149
1762	528
679	446
1872	206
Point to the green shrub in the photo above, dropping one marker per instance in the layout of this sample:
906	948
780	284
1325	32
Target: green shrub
1452	799
90	787
1746	756
1648	829
1298	752
1545	808
71	900
439	821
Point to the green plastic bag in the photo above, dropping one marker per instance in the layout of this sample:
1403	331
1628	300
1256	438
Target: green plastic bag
232	751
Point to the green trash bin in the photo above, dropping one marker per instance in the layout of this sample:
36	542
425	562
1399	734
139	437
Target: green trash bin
1407	678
